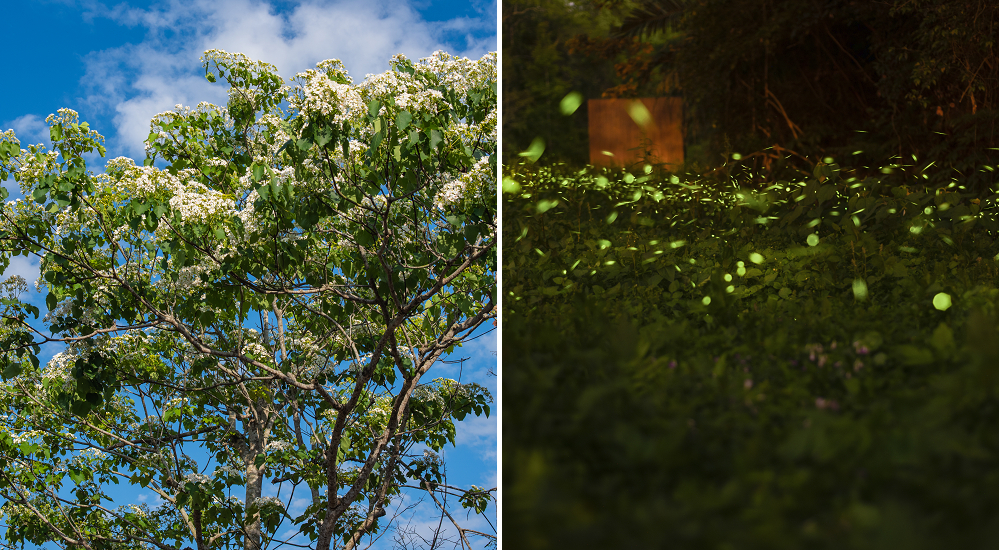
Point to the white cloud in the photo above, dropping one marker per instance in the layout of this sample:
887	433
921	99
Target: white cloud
153	500
30	130
479	433
136	81
27	268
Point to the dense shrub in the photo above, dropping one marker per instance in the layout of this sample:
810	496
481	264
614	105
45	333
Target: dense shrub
813	364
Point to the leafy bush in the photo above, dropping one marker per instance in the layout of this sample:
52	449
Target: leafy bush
812	364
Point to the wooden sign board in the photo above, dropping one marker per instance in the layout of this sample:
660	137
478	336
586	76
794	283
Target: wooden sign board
614	130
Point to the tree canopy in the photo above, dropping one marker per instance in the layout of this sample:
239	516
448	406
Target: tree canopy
249	318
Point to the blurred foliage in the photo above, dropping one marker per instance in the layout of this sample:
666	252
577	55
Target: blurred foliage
703	364
784	82
540	70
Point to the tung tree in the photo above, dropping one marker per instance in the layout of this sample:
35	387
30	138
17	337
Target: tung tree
248	319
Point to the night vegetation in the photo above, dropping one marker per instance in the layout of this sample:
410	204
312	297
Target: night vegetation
789	342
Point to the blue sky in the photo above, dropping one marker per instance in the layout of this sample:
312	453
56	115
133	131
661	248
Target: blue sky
118	64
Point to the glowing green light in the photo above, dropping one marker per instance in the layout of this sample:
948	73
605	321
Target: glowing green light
860	288
942	301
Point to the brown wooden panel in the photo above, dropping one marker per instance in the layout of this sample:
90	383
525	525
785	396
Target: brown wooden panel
613	129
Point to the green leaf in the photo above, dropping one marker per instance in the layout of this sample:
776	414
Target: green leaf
323	136
403	119
12	370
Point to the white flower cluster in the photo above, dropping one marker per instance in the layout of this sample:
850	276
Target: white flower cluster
176	403
33	168
271	501
389	84
237	59
356	148
180	112
227	471
192	199
62	309
137	510
323	96
424	100
255	350
381	408
442	389
92	453
276	446
196	202
58	373
195	477
69	117
425	392
23	436
9	136
460	73
477	183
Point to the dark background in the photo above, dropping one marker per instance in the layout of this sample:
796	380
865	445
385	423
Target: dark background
893	79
